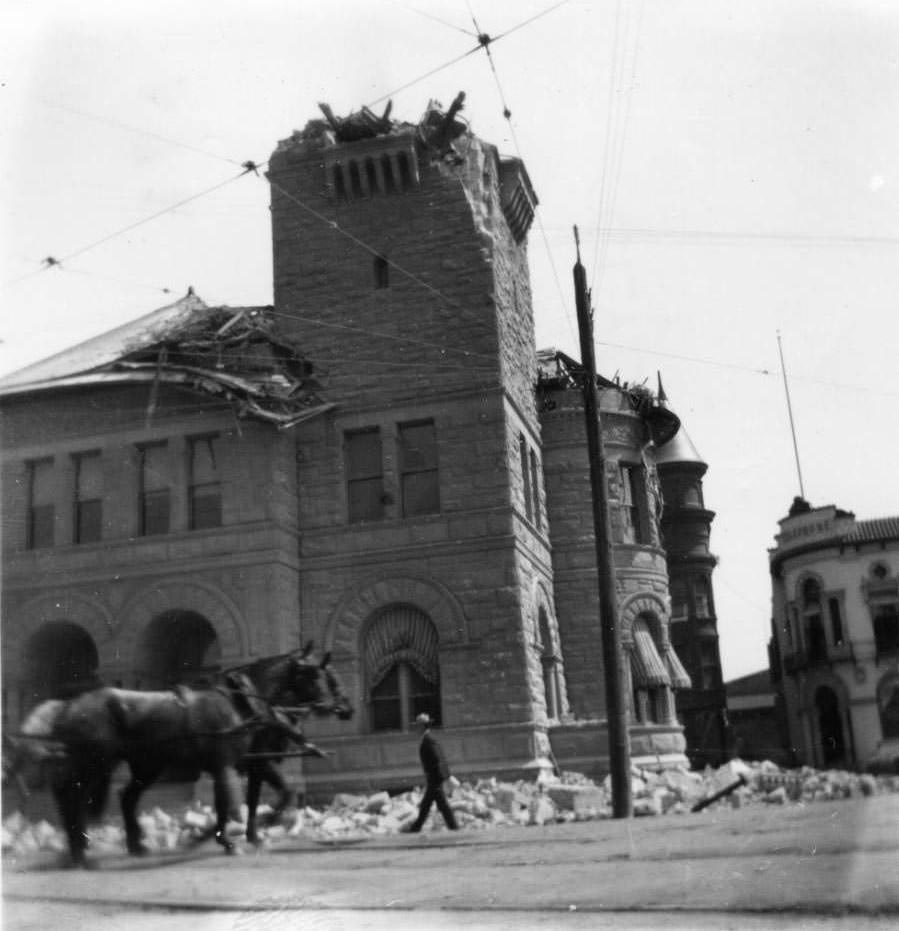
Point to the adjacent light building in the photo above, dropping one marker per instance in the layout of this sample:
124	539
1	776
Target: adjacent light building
835	637
376	462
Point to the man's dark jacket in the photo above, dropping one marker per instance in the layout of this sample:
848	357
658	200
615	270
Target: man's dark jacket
433	762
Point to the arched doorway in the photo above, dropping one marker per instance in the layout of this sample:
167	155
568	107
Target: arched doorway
60	660
178	647
830	727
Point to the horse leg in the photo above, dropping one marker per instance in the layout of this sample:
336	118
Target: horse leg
227	803
254	789
140	780
73	813
273	776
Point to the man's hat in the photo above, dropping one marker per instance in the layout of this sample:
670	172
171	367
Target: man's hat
423	719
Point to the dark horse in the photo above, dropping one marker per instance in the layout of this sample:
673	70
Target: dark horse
269	743
186	730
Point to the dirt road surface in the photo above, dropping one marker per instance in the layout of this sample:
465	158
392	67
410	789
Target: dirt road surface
823	865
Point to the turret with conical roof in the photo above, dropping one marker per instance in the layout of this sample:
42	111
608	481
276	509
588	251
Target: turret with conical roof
686	529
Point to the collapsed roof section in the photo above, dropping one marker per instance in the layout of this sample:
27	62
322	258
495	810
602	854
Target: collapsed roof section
556	370
234	354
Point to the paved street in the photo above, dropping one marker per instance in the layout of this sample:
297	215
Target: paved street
833	865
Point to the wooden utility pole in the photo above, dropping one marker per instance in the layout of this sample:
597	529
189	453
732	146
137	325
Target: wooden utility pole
616	709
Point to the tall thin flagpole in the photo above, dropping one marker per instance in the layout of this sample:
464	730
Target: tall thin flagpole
783	370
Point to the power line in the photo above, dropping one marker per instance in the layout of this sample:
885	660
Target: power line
51	261
697	360
115	124
737	237
443	22
507	113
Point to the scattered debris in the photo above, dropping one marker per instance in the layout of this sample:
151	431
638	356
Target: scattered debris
485	804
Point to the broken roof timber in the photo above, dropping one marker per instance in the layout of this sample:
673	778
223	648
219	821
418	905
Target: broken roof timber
236	355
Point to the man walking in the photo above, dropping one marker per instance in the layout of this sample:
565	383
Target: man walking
436	771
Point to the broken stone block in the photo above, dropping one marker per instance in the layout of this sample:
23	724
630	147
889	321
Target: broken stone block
541	810
576	798
377	803
333	824
348	801
508	799
647	805
777	796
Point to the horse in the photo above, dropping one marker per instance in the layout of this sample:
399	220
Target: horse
270	743
188	730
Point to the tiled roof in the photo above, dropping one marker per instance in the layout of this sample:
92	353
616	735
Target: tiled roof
873	531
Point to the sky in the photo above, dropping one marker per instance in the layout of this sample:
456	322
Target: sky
732	167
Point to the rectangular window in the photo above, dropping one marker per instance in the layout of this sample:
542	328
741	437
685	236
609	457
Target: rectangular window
836	621
535	491
382	273
633	504
419	477
886	628
41	510
205	487
365	478
708	664
88	524
154	489
526	475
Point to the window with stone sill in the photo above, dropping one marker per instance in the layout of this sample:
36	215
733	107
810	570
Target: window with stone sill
41	506
88	504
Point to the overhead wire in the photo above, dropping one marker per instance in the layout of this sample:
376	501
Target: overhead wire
632	48
624	51
116	124
486	41
52	262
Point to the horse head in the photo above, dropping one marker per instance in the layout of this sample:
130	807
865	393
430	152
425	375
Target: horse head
315	684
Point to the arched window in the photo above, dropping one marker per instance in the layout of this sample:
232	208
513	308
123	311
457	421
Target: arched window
400	653
552	689
60	660
813	625
178	647
650	679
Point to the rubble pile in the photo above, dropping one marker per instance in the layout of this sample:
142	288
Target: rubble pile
484	804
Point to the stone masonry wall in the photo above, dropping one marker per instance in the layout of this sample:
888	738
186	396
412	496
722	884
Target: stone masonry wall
242	576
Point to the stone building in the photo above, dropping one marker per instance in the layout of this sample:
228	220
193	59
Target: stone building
368	463
686	530
835	639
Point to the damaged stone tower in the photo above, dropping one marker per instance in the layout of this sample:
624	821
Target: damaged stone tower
400	265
